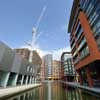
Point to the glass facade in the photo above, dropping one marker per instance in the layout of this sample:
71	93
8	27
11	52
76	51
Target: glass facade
68	65
81	51
86	38
92	11
84	52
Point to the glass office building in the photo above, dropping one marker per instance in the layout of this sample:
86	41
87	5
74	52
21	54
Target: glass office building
67	67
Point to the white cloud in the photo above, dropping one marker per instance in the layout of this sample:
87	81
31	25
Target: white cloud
57	53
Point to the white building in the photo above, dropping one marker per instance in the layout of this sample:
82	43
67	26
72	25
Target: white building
48	65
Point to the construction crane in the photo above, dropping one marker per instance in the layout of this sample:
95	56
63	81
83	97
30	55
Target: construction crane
35	33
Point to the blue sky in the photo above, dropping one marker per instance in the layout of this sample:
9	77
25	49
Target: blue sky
17	17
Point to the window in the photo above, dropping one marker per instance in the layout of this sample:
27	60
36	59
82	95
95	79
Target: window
94	15
83	42
89	9
28	68
84	52
31	69
80	33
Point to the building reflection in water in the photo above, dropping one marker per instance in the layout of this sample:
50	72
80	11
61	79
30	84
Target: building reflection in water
53	91
78	94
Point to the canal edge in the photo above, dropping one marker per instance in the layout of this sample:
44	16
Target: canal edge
8	92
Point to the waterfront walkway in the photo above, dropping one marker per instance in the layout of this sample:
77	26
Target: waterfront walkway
6	92
77	85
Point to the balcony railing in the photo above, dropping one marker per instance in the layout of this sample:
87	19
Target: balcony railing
80	33
82	44
73	45
84	53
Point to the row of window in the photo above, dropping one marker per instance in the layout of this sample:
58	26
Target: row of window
94	19
79	31
30	69
82	43
68	66
73	46
75	19
84	52
92	11
67	71
76	34
68	62
87	6
72	41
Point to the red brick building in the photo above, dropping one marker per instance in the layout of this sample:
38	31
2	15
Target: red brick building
84	29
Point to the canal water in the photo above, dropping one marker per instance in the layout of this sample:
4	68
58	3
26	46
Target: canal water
53	91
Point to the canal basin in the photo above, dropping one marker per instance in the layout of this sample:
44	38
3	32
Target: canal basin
53	91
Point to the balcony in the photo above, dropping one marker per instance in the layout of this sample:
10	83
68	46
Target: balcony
73	45
82	44
75	18
79	34
75	53
72	40
84	53
77	29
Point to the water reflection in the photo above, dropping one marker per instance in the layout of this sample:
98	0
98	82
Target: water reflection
49	90
53	91
78	94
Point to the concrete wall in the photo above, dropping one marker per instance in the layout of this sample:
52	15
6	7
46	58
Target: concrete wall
6	57
16	63
26	68
14	69
12	62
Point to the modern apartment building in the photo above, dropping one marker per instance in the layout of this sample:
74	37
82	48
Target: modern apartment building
24	52
36	59
42	71
67	67
14	70
84	29
56	68
48	66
